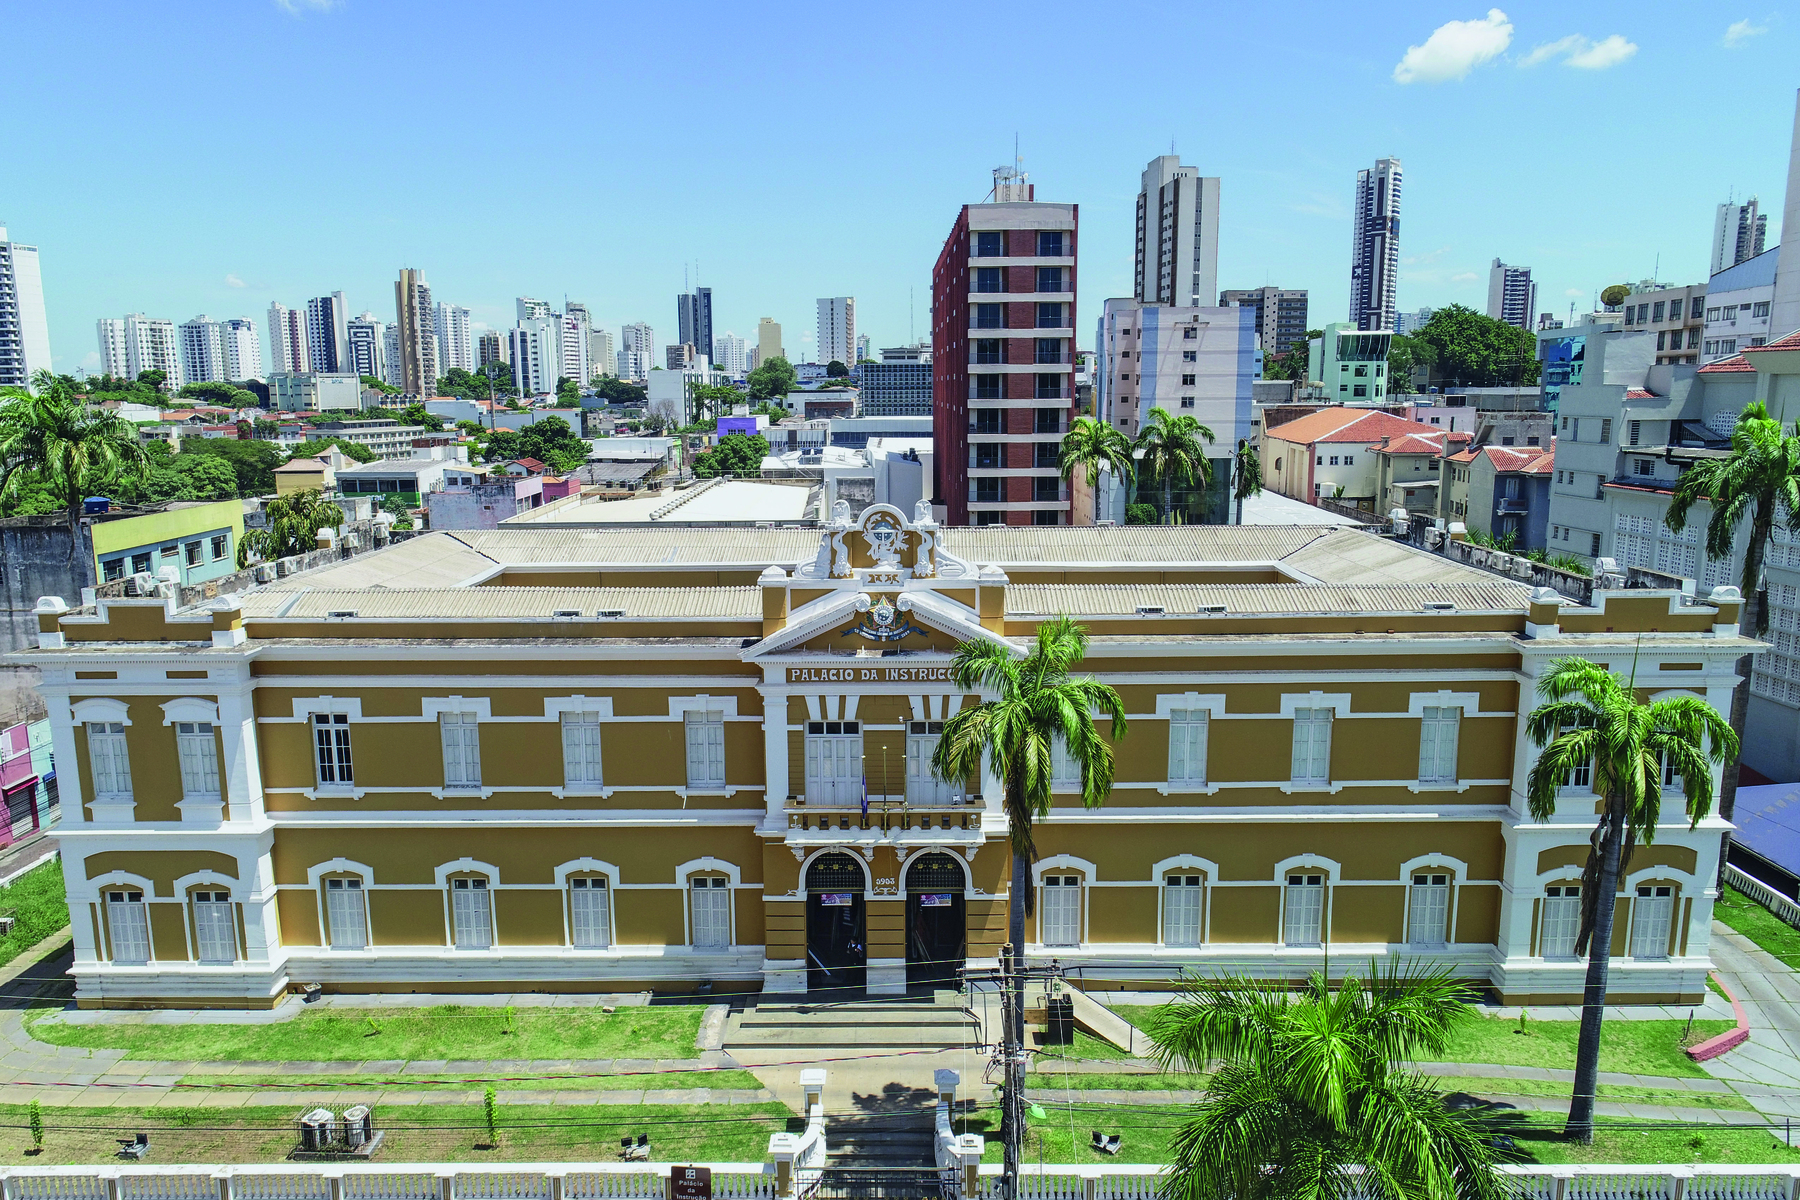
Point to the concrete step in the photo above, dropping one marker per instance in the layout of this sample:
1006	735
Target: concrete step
833	1027
889	1140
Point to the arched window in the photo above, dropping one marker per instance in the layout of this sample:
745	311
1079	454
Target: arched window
215	929
346	913
1062	909
1560	924
471	912
1652	920
710	910
1182	902
590	912
1428	908
128	922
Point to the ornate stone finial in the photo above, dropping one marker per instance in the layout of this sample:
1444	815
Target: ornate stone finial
922	513
840	513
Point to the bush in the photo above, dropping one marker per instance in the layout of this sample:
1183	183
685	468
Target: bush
1140	514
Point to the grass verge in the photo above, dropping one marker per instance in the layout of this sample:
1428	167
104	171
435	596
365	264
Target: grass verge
451	1032
512	1082
1759	925
42	908
424	1133
1488	1087
1632	1047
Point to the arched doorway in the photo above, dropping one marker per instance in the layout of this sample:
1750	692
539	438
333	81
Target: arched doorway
937	929
837	953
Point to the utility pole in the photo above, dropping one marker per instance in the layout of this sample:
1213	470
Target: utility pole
1012	976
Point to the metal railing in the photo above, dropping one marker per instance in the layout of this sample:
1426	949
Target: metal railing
399	1181
887	814
1782	906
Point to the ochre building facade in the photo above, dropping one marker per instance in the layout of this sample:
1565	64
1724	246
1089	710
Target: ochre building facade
609	760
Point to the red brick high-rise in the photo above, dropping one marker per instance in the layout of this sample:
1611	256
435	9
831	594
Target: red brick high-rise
1003	360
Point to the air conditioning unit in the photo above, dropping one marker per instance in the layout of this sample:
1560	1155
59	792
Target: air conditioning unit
610	613
1151	610
1210	609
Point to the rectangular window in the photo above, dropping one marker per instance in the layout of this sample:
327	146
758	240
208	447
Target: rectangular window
1181	910
1049	350
1605	430
581	748
590	924
461	733
987	387
1047	420
129	924
1594	545
1633	431
113	569
221	546
1312	745
1190	356
215	935
199	755
987	279
987	245
1046	489
140	563
988	316
471	916
987	491
331	743
921	743
1065	772
107	754
1651	914
191	553
1303	916
1656	311
706	749
1187	745
1761	309
1050	316
1062	910
346	919
1051	243
1428	910
712	913
1049	279
1049	387
1561	923
1437	745
834	755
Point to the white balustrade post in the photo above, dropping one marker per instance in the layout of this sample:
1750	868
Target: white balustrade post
812	1089
783	1147
947	1081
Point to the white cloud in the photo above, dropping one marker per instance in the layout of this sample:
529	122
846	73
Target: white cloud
1577	51
1454	49
1421	259
1464	277
1739	32
1574	293
234	281
298	7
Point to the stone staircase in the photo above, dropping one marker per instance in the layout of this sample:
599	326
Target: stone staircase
834	1029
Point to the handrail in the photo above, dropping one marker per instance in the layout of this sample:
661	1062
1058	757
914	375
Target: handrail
1782	906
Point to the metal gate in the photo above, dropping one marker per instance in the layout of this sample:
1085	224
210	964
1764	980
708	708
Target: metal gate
885	1183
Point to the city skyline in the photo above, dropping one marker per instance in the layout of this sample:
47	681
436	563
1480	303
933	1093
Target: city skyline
1283	219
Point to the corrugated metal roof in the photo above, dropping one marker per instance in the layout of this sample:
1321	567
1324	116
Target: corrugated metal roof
1186	545
432	560
1124	599
740	603
1346	556
646	545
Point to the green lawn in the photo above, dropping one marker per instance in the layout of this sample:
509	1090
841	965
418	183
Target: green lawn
43	908
1052	1082
1759	925
1635	1047
500	1080
421	1134
1679	1145
446	1032
1490	1087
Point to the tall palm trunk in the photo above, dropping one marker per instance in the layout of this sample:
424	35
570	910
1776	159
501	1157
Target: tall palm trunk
1750	616
1012	1116
1593	993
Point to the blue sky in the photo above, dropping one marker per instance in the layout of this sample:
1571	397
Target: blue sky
214	156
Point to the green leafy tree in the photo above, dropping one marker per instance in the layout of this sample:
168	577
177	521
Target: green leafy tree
1170	452
1247	476
415	414
553	442
835	369
714	398
386	389
1472	348
621	391
253	462
1405	354
473	385
1091	444
1292	362
1038	706
1140	514
568	393
317	446
1759	481
1308	1087
294	522
37	1127
153	378
773	379
737	455
70	449
1592	721
224	394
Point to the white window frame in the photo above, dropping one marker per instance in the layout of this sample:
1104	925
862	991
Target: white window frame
834	762
346	930
1061	908
704	735
128	911
1184	909
1189	729
107	745
598	925
459	733
1311	762
1439	742
1303	906
582	764
1560	913
709	922
197	748
215	925
923	787
334	763
1428	906
1065	773
1652	921
471	913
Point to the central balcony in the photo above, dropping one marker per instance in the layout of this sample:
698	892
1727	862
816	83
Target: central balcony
888	819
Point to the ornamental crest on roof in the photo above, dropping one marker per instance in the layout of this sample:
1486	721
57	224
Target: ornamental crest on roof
880	548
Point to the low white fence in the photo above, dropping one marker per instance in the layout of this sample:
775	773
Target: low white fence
1782	906
1124	1182
519	1181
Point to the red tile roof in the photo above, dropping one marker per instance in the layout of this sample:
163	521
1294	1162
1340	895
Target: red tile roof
1424	443
1730	365
531	464
1790	342
1639	394
1521	460
1365	425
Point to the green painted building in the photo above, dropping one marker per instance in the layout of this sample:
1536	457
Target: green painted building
199	538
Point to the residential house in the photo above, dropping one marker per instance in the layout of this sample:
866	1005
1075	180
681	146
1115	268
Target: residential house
1406	469
1329	454
1501	492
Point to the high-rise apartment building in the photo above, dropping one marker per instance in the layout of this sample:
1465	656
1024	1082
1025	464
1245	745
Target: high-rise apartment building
418	340
637	350
694	320
837	329
768	340
537	355
732	353
899	385
134	343
572	350
1280	314
862	348
24	326
202	351
392	373
601	359
288	348
1177	234
1738	234
1512	296
1003	367
455	342
1412	322
366	338
679	357
243	348
491	347
328	334
1375	246
529	309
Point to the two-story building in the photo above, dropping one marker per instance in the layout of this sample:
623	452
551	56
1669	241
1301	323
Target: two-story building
602	760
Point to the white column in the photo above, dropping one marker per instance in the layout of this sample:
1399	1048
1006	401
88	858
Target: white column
775	756
62	745
243	766
262	923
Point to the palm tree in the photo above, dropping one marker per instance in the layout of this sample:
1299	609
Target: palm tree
1249	476
294	524
1591	720
1035	704
1171	452
56	440
1307	1086
1092	443
1759	480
